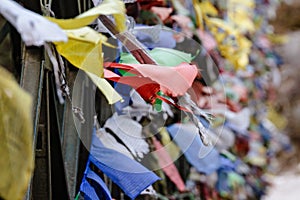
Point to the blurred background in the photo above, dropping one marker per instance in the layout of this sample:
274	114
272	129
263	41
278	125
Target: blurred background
287	22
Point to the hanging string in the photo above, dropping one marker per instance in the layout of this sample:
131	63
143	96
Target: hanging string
46	8
62	87
79	6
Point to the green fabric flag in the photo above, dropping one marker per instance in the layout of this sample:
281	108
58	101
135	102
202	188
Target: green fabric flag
163	57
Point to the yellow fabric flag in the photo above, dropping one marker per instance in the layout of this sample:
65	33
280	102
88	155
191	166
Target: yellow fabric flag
84	46
16	131
276	118
219	23
83	49
242	20
169	145
241	13
201	10
231	43
245	3
107	7
108	91
208	9
278	39
198	13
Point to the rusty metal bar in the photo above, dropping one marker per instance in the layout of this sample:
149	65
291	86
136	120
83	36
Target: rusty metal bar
32	77
129	41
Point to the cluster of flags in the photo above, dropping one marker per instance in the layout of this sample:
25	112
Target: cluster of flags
225	129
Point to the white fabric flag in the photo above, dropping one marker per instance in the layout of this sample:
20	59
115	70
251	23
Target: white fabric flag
33	28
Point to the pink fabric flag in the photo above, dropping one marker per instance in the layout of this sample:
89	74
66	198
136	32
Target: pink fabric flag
172	80
148	80
207	40
166	162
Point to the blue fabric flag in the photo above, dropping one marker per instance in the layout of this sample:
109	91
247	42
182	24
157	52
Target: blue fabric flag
155	36
226	164
236	129
265	133
128	174
88	190
124	91
204	158
96	188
